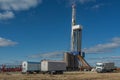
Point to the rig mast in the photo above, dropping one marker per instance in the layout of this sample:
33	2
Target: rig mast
75	59
76	33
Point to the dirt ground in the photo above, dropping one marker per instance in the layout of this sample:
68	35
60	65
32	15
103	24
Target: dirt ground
65	76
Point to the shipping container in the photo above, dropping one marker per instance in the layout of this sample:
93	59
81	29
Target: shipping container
53	66
31	67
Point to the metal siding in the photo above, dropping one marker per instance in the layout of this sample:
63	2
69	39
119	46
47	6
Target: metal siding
31	66
71	60
56	66
24	66
44	65
52	65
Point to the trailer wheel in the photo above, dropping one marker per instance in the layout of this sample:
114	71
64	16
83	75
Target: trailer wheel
43	72
60	72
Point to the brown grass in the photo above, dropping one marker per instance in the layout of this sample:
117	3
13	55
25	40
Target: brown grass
65	76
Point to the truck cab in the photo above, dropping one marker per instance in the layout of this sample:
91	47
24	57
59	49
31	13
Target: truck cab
99	67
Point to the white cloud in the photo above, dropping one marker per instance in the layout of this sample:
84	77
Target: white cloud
16	5
97	6
116	40
107	58
107	47
6	42
6	15
57	54
86	1
79	1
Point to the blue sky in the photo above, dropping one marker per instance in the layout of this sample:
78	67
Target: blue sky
36	29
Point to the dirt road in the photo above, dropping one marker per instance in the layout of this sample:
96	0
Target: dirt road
65	76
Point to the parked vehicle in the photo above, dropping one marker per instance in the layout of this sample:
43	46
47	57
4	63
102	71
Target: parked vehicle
10	68
53	67
30	67
105	67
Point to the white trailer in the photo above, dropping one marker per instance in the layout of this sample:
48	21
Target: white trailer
53	67
30	67
105	67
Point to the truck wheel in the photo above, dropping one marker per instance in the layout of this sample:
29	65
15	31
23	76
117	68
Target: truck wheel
99	71
43	72
61	72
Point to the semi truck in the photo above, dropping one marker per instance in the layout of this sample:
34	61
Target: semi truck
31	67
105	67
53	67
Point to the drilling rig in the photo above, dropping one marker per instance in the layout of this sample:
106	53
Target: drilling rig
75	58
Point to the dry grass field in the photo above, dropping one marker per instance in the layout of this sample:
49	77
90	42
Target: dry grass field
65	76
